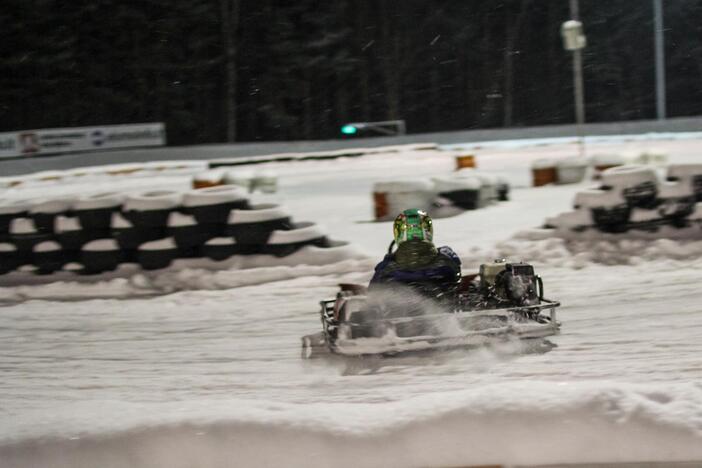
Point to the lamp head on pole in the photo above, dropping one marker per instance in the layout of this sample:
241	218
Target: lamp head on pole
573	37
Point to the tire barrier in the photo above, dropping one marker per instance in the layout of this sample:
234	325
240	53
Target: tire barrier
151	209
10	211
96	234
634	198
559	171
571	170
250	181
466	189
157	254
638	185
71	235
44	212
101	255
212	205
253	227
9	257
24	234
95	211
220	248
48	257
464	192
688	176
187	234
285	242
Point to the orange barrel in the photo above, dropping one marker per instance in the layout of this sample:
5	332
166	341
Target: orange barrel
597	174
602	162
543	172
380	204
205	183
211	178
466	160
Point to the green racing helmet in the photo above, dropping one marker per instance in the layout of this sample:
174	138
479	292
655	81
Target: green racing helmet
413	224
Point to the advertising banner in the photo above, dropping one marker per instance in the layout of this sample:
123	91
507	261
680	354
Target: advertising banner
68	140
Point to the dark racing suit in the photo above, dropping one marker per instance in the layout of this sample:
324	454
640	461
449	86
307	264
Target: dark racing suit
427	270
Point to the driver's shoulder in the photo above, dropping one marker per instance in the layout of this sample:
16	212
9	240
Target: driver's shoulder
448	252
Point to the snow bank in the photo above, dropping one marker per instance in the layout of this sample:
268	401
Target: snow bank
99	201
541	248
153	200
185	274
213	196
514	424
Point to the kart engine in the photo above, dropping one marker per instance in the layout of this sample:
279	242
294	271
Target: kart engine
514	283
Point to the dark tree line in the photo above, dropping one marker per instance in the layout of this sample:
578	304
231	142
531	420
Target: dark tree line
218	70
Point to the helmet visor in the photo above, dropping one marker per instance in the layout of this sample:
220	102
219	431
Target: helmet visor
413	225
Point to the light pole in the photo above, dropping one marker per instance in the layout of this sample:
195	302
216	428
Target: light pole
660	59
574	40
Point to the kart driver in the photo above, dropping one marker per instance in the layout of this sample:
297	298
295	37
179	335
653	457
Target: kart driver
417	262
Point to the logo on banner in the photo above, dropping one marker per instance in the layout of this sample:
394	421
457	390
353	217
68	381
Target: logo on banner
8	144
98	137
29	142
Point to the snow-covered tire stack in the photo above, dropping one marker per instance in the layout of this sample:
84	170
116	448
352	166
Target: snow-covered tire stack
492	189
678	193
609	210
18	236
10	211
129	237
466	189
571	170
147	217
689	175
49	257
212	205
286	242
157	254
252	228
633	198
45	212
10	258
94	212
204	217
188	235
151	209
95	234
24	235
464	192
637	184
221	248
101	255
70	234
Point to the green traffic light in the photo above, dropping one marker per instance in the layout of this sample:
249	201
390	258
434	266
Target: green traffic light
348	130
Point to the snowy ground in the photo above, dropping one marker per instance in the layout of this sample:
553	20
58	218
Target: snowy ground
210	374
